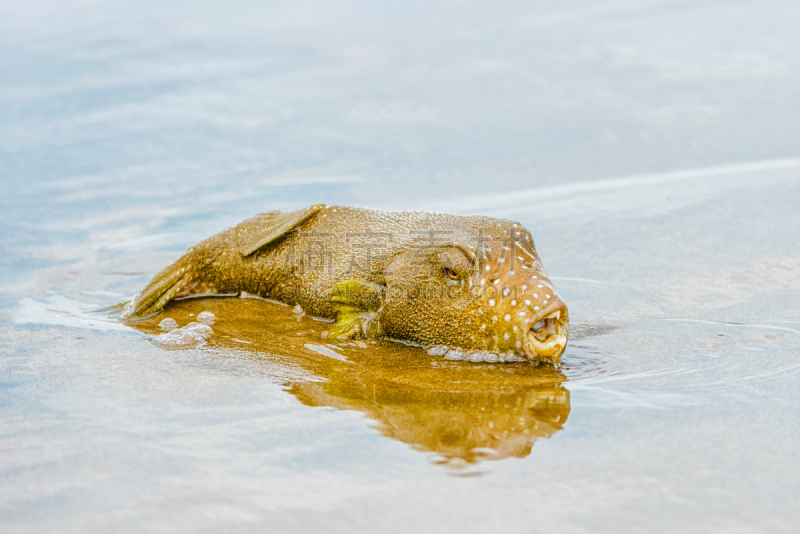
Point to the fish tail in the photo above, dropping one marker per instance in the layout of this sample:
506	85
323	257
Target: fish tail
172	281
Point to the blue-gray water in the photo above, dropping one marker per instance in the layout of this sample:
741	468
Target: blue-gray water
650	147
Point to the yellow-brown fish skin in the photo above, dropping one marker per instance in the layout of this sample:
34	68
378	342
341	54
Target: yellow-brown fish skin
462	281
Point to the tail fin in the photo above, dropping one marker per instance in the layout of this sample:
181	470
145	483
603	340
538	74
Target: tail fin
195	272
170	282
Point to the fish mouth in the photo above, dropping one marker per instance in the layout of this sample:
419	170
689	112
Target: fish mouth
546	339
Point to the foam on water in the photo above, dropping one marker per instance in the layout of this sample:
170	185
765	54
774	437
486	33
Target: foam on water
474	356
206	317
192	335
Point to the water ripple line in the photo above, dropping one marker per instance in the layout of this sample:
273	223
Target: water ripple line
734	325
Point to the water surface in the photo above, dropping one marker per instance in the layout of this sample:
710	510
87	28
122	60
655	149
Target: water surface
649	147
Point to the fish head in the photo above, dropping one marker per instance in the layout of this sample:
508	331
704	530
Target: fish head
476	296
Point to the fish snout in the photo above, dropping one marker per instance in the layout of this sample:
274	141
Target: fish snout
526	315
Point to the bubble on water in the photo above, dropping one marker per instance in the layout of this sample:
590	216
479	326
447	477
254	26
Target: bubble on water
200	329
168	324
457	463
206	317
454	354
190	336
473	356
476	356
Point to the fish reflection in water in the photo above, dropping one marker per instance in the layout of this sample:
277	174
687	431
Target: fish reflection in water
461	412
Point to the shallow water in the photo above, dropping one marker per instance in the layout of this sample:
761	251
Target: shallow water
649	148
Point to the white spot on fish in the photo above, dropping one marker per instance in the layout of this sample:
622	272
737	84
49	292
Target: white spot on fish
536	308
491	302
515	328
527	303
548	296
539	285
545	302
506	292
519	344
524	287
494	318
513	302
488	268
506	336
507	317
522	314
483	327
483	281
496	281
536	295
500	260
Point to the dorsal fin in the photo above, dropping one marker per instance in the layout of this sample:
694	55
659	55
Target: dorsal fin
264	228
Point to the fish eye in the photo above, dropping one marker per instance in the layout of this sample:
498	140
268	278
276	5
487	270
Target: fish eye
451	273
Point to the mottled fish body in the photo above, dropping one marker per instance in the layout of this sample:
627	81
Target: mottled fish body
464	285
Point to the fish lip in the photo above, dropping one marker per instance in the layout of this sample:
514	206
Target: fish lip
553	347
548	310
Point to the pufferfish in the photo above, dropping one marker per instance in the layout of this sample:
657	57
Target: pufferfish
463	286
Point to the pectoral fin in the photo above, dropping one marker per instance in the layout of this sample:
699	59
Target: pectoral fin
357	304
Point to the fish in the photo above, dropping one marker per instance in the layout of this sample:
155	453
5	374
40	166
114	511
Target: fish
466	287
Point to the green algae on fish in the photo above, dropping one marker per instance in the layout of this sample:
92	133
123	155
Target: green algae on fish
464	286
